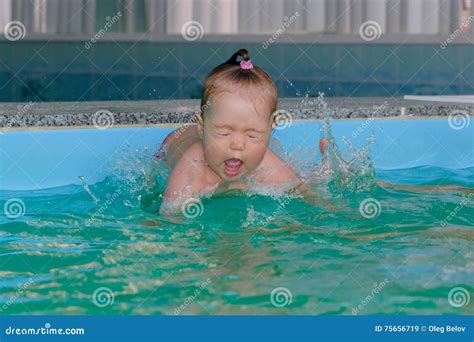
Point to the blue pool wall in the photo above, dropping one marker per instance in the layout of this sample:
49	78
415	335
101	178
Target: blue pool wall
37	159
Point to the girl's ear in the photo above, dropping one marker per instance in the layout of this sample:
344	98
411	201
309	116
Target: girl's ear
274	120
200	123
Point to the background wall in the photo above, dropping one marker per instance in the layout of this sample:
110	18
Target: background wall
85	50
66	17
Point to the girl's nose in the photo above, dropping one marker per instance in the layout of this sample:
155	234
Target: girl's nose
237	142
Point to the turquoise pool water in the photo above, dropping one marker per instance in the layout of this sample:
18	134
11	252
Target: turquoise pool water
99	247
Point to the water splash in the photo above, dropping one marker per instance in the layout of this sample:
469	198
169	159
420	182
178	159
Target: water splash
353	173
87	189
141	177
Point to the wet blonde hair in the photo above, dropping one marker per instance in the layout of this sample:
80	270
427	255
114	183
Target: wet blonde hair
230	77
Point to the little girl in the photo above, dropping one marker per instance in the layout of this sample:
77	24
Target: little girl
228	148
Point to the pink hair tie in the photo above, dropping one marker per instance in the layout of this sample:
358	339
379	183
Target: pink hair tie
246	65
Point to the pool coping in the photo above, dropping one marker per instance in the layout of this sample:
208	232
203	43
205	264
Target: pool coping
71	115
178	124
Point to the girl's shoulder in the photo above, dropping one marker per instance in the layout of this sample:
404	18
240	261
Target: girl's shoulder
193	158
273	170
188	176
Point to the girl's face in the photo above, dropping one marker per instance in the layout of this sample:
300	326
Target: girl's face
235	134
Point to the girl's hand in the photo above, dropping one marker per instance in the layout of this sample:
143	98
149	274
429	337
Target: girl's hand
323	145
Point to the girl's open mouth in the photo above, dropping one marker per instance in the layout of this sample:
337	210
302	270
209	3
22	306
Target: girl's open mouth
232	167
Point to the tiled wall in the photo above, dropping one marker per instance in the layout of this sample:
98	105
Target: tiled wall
65	71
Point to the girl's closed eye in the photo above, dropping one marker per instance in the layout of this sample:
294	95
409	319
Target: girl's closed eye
254	135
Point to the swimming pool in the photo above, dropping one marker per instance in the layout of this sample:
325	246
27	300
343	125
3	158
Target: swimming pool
80	232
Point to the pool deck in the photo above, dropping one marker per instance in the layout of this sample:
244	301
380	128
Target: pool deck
74	114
